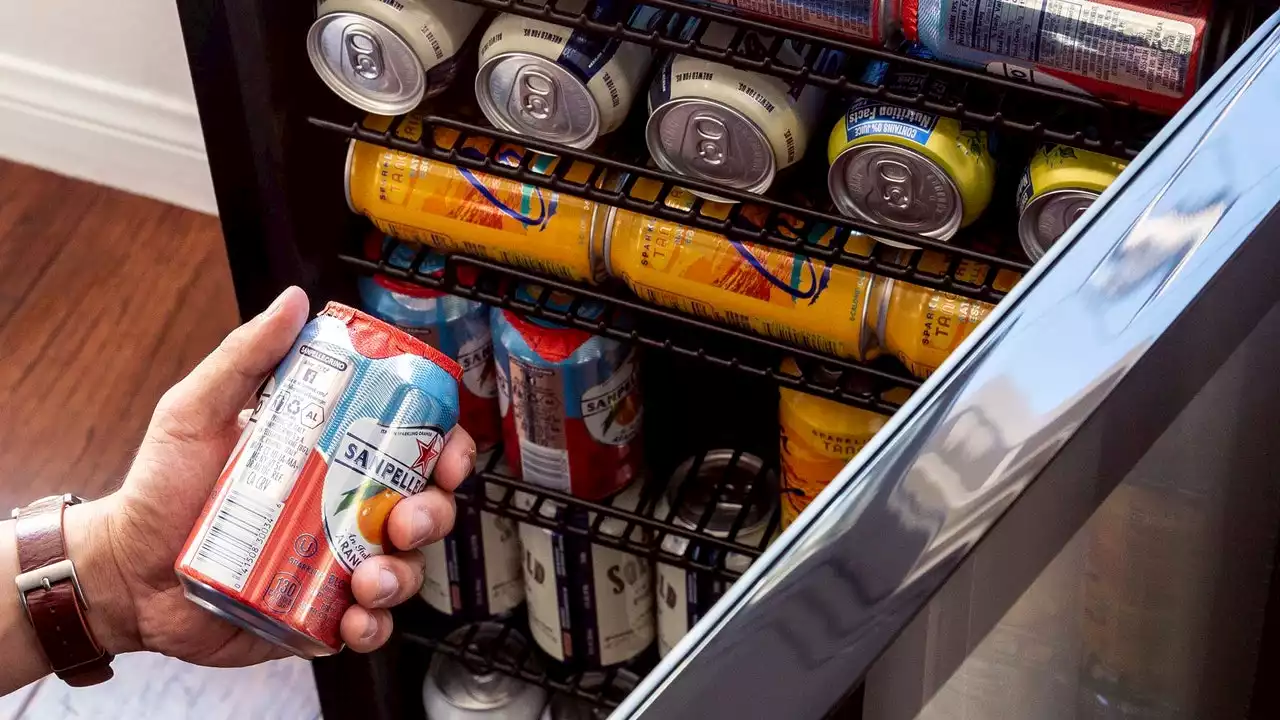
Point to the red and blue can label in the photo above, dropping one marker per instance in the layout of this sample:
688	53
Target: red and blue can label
351	421
570	402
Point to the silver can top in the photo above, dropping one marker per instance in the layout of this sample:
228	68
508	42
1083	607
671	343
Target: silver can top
568	707
896	187
708	140
531	95
366	63
1048	216
450	680
736	489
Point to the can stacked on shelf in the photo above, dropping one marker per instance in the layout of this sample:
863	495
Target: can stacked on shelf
569	707
455	690
1059	185
867	22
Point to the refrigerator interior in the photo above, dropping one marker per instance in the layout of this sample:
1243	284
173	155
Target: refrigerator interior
277	139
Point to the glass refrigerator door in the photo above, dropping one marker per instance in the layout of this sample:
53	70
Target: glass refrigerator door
998	461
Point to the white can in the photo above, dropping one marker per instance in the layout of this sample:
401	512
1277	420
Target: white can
561	85
474	573
385	56
683	596
731	126
589	605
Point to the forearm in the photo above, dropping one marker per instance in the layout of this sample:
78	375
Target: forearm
22	660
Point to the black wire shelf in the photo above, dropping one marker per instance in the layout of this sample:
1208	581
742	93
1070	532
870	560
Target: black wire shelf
998	103
879	388
785	226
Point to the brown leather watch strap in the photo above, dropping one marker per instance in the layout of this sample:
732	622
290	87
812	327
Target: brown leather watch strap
51	593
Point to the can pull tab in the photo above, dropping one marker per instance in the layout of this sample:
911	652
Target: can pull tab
536	97
895	183
709	138
364	52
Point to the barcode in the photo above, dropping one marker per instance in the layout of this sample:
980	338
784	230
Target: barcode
548	467
235	538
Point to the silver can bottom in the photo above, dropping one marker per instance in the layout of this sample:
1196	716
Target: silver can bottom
253	620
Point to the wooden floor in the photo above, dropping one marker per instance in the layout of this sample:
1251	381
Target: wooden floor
106	299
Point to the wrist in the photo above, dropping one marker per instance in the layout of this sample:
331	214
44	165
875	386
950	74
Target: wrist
112	615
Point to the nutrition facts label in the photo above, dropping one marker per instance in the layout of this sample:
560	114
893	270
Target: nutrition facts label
1091	39
290	418
537	397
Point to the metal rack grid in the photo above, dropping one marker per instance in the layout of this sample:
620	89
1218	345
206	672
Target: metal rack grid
998	103
755	219
494	284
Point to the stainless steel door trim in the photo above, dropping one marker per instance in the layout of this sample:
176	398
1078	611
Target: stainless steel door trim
1101	323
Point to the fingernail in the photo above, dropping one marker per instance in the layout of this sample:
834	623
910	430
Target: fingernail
422	526
277	303
387	585
468	463
370	628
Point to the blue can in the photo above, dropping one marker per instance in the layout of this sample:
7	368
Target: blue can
455	326
570	401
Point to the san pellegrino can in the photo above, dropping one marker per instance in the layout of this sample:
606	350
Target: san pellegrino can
1147	52
455	690
1059	185
351	421
575	411
589	605
866	22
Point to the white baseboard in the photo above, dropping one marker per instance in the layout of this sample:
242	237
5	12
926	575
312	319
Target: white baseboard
104	132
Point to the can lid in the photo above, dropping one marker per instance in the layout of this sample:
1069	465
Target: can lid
1048	216
746	482
376	339
708	140
896	187
466	689
531	95
366	63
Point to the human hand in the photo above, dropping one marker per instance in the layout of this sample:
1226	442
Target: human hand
125	544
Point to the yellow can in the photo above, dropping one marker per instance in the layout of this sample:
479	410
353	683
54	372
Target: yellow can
770	292
456	210
1058	185
819	437
920	326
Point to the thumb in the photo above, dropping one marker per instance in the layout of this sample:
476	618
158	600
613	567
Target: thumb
208	400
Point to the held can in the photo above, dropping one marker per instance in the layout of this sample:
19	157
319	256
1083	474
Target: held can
558	84
868	22
385	57
1144	51
575	412
455	210
569	707
759	289
747	502
589	605
352	420
457	327
1059	184
819	437
920	326
453	691
720	124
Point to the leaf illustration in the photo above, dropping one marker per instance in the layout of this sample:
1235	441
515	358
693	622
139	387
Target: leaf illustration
357	495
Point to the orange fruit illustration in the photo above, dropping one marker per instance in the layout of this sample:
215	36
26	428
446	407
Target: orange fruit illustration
371	518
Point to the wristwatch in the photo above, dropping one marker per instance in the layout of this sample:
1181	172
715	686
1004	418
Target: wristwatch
51	595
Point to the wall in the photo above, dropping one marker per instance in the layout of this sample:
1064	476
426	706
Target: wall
101	91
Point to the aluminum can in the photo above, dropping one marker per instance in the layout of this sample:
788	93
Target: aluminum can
562	85
773	293
867	22
908	169
385	56
455	210
819	438
574	415
453	691
589	606
569	707
1059	184
730	126
747	500
1142	51
919	326
352	420
455	326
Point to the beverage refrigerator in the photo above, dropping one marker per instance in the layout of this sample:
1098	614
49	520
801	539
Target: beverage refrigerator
1075	516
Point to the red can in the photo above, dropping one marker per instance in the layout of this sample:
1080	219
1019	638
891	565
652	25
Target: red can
351	421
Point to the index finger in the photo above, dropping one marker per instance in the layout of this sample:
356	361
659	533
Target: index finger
457	460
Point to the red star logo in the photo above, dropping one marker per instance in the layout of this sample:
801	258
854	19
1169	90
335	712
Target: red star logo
427	453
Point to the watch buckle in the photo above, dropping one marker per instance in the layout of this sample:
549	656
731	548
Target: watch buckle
43	578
